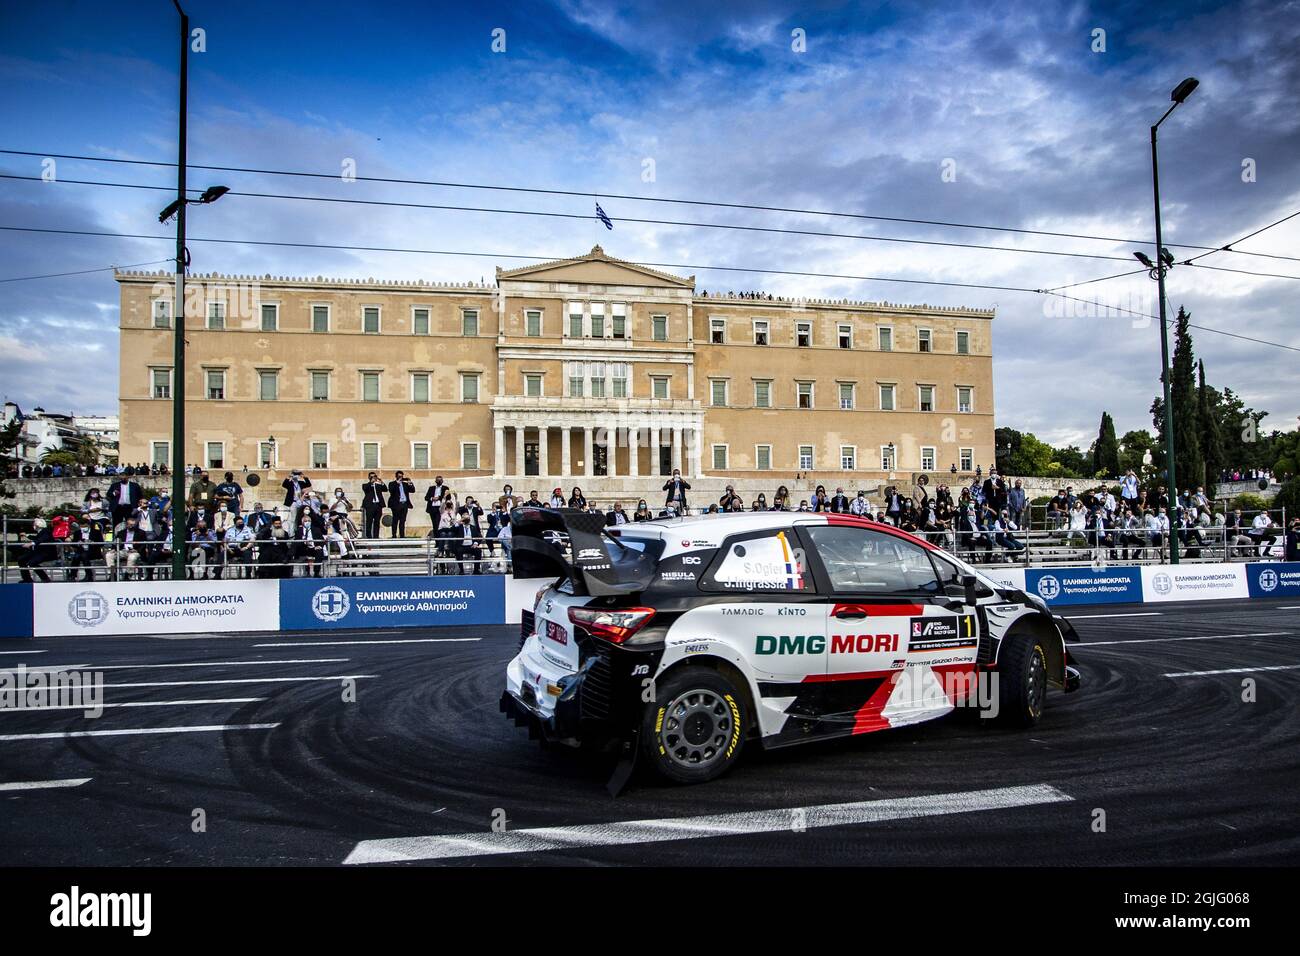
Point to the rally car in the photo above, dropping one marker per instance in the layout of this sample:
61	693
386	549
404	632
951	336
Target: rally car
684	639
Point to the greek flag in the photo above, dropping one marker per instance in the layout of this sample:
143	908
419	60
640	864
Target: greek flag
600	214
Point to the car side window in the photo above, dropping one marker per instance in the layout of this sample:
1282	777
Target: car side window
759	561
950	579
864	562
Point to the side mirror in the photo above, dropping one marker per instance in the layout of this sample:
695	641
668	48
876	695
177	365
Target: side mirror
968	582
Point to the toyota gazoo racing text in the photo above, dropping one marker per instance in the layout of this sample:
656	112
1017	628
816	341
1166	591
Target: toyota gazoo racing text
683	639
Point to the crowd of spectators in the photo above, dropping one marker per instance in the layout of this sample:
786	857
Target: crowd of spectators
30	470
132	535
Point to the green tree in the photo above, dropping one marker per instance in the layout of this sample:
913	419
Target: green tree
10	435
1105	450
1211	435
1189	464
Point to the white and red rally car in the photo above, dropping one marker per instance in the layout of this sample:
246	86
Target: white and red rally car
684	638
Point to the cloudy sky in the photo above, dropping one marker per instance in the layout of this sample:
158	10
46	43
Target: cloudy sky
1036	127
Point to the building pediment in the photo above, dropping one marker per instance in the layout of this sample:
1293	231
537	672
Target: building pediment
595	268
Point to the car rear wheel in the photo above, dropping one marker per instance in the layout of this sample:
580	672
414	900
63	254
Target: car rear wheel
694	729
1022	680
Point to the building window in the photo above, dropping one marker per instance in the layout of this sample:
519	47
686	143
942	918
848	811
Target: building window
925	396
885	338
268	385
216	454
718	331
966	458
927	458
161	379
805	457
618	321
659	327
575	320
846	336
469	456
964	398
370	454
848	458
619	372
804	394
216	385
533	385
370	319
659	386
533	322
469	322
846	395
216	316
597	372
760	331
270	317
923	340
469	387
719	457
420	321
267	454
887	457
320	386
886	398
160	453
420	387
320	318
320	454
762	394
420	455
963	343
803	334
370	386
162	314
597	320
718	392
763	457
576	382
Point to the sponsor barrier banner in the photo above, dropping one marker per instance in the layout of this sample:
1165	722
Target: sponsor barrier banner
439	601
1111	585
1194	582
155	607
1279	579
15	610
1007	577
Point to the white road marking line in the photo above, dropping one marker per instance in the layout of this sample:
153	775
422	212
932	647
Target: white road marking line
413	640
1199	637
623	833
1085	617
1234	670
239	680
131	667
42	669
25	652
140	703
1289	607
138	731
45	784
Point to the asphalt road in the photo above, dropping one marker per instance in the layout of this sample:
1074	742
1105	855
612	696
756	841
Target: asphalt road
252	736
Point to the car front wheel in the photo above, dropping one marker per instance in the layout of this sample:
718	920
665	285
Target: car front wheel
1022	680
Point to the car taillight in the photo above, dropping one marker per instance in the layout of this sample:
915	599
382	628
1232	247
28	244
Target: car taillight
614	626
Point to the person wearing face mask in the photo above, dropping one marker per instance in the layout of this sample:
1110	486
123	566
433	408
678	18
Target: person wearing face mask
239	548
465	543
642	513
374	498
201	547
433	497
728	496
495	522
576	500
294	486
340	505
310	544
400	492
273	549
230	492
675	489
93	509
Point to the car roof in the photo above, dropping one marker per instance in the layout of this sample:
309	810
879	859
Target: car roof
716	526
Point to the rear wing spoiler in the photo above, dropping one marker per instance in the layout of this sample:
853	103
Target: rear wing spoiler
597	566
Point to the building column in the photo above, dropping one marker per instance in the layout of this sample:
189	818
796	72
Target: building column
633	466
695	451
588	452
543	450
611	449
566	457
677	449
519	450
499	452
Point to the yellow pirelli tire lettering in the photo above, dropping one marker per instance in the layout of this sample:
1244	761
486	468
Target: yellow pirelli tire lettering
735	724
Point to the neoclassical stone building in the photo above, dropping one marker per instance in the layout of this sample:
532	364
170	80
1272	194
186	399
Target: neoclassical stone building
589	370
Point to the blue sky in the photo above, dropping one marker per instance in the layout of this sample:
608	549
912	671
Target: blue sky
1043	133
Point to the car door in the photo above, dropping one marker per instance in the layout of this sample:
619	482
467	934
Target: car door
899	645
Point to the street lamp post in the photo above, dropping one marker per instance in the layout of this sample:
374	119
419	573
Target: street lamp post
177	209
1162	264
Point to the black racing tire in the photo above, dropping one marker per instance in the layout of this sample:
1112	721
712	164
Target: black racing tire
694	730
1022	680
